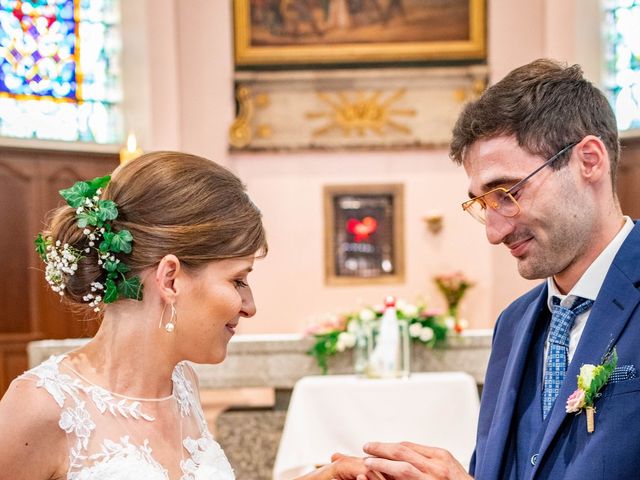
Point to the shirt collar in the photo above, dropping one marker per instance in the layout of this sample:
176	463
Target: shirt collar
592	279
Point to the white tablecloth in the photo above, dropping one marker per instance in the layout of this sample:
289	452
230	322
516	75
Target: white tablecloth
340	413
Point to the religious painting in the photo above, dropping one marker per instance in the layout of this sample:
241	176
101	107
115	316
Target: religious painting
363	234
312	32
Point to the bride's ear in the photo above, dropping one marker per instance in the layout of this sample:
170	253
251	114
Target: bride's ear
166	273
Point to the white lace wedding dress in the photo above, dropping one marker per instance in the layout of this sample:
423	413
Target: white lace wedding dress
112	437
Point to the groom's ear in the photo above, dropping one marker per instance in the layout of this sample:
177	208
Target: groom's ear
593	160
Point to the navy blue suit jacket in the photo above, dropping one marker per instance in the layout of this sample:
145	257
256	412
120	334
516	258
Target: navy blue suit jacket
566	451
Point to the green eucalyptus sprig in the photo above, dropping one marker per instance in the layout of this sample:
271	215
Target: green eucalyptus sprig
94	217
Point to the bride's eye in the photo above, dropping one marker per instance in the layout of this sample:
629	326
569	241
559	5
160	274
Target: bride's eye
240	283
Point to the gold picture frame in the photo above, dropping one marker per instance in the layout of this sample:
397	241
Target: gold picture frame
364	241
312	32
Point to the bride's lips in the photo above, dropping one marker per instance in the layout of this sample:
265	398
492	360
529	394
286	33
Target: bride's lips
231	327
519	248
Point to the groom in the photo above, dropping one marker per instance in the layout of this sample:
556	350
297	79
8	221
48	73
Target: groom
541	149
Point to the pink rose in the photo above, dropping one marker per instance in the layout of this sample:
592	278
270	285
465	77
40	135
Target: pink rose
575	401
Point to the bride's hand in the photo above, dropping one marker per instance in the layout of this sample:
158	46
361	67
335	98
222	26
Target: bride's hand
351	468
343	467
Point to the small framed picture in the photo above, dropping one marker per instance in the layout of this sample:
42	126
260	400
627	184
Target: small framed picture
364	234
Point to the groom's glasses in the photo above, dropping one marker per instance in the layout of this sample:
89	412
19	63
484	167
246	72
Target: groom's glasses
501	199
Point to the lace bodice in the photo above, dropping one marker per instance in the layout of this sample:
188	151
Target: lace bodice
112	437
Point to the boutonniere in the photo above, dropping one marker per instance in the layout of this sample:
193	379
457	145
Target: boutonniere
590	381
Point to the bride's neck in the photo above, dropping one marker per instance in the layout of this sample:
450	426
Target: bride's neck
129	355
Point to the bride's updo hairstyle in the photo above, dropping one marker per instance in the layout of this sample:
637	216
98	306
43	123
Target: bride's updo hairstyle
171	203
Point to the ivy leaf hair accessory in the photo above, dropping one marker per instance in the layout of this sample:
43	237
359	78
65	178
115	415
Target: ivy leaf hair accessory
93	216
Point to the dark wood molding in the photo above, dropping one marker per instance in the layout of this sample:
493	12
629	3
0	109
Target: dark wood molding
629	177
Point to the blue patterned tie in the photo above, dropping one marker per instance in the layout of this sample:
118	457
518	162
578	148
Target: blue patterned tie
558	355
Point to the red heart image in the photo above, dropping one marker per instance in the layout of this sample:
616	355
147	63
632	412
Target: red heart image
361	229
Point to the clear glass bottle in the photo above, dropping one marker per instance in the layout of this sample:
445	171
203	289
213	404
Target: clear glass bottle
388	345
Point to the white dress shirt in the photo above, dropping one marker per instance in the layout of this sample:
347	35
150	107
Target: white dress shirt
587	287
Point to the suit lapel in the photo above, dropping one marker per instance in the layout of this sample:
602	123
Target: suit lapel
614	305
508	396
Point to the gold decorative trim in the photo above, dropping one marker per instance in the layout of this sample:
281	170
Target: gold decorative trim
240	133
472	93
362	114
240	130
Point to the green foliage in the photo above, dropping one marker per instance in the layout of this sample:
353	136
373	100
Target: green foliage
110	266
95	215
107	210
41	246
99	182
130	288
601	376
324	347
327	338
436	324
121	242
110	291
76	194
116	242
86	218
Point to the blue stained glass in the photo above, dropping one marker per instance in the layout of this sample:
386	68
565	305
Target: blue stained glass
37	46
59	70
623	60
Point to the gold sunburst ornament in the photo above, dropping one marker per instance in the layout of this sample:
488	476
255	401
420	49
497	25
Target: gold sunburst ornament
361	113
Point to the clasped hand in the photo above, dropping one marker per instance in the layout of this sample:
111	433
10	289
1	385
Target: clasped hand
402	461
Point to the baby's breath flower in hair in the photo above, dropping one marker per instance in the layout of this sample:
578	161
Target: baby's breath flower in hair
94	217
59	260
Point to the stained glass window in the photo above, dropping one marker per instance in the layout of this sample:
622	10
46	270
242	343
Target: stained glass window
623	60
60	70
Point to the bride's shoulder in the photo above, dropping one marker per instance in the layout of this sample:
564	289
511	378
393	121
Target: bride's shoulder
35	396
35	399
48	379
29	401
31	439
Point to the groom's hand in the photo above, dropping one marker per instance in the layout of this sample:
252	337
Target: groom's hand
410	461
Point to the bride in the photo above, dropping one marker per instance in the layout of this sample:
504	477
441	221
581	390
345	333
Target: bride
162	252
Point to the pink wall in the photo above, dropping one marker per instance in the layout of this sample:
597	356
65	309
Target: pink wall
193	109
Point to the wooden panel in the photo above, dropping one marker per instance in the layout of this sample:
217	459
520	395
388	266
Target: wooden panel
13	358
629	178
16	203
29	310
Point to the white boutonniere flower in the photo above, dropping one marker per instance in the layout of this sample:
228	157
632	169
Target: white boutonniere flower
590	381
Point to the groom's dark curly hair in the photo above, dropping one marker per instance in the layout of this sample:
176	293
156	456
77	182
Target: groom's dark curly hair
546	105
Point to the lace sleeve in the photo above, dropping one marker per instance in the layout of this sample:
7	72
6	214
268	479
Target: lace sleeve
188	394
